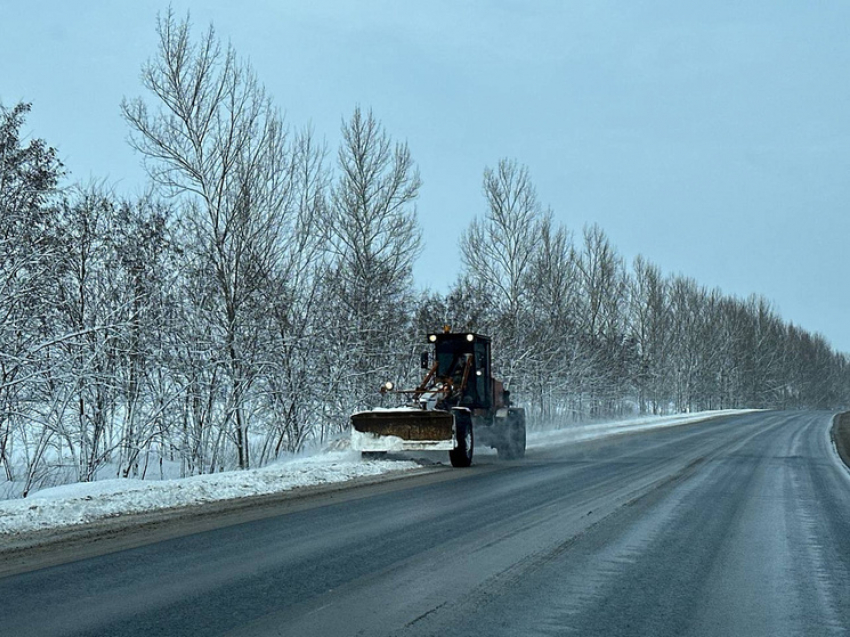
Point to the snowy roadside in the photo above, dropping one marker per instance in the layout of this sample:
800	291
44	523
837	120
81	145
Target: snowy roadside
83	503
594	431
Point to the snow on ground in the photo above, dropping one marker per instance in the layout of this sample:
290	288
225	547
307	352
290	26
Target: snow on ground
81	503
593	431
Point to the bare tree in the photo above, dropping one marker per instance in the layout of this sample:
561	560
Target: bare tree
557	364
603	284
92	315
374	240
497	252
374	231
216	140
498	249
291	389
649	327
143	258
29	262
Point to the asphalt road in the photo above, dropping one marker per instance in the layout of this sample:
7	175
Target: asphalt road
738	526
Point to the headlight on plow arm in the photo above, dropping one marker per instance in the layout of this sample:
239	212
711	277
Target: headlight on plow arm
387	386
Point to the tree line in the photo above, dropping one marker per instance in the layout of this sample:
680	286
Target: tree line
262	289
582	333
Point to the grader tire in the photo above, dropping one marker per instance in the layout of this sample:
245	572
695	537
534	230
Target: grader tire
461	455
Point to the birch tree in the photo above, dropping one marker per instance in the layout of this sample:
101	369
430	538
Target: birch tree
649	323
29	262
374	240
215	140
497	252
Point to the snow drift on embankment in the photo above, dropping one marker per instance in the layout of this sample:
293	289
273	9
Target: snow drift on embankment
83	503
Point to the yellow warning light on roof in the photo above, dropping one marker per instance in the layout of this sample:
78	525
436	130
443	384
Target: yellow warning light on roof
447	329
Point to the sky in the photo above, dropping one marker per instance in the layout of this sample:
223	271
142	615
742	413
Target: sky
712	138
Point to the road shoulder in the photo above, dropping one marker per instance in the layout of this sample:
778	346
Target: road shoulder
23	552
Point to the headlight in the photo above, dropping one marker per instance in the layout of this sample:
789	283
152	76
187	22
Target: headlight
432	338
389	385
470	337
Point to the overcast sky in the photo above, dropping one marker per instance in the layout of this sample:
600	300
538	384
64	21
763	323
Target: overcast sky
713	138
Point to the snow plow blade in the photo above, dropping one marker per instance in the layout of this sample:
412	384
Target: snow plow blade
398	430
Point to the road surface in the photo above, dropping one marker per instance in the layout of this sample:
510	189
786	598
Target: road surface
737	526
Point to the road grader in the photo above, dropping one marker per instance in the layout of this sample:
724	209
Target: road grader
457	404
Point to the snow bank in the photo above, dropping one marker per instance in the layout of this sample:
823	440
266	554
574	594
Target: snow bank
579	432
81	503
